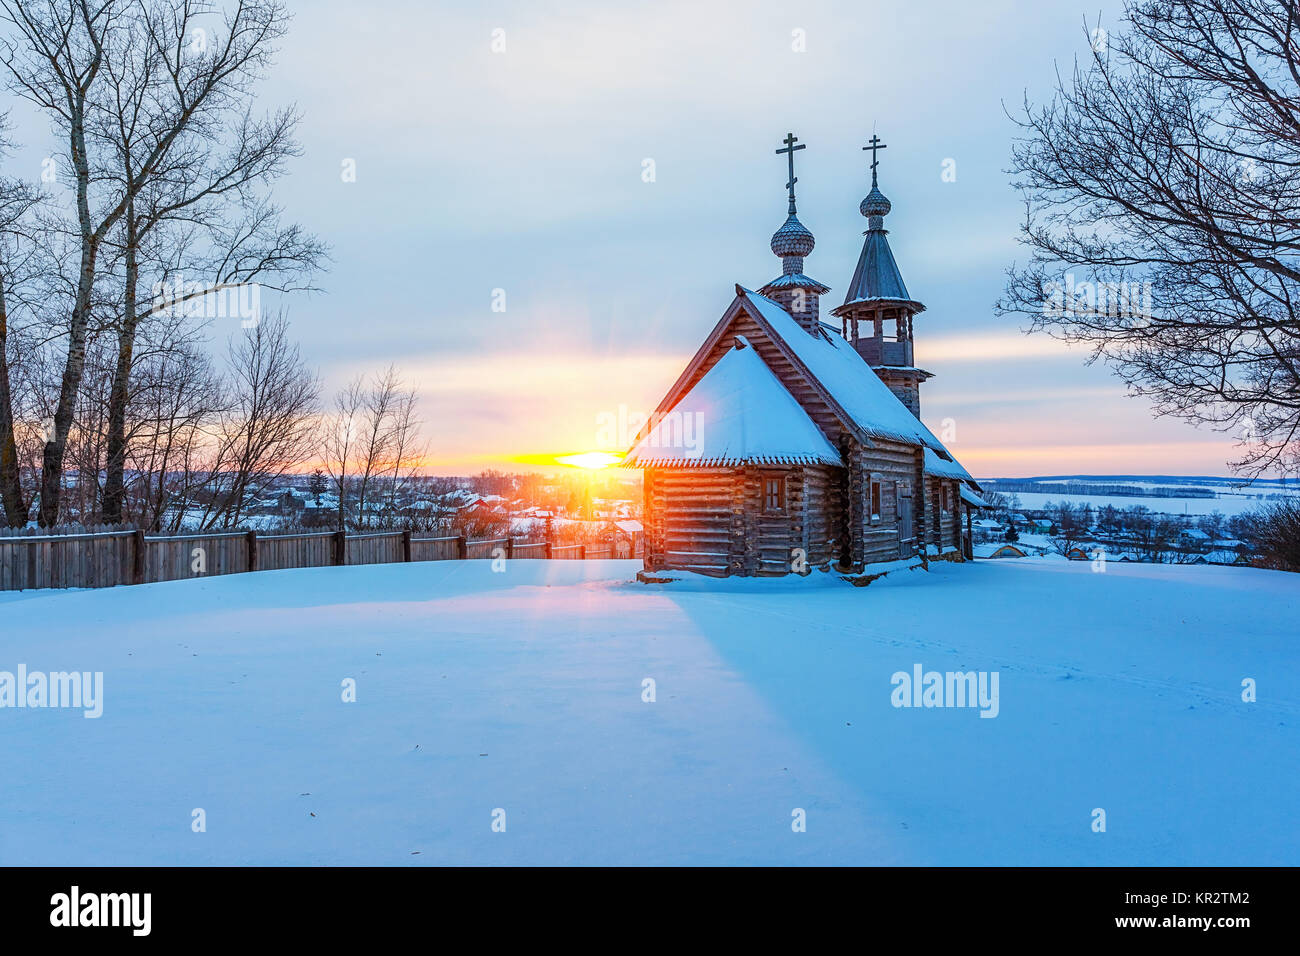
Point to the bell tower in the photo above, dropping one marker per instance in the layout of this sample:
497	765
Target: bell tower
877	313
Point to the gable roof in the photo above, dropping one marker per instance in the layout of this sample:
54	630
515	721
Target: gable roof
739	413
844	374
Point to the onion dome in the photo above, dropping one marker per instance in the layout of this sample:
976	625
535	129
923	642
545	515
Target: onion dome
792	239
875	205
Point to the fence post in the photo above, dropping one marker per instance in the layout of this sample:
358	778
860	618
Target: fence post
462	547
582	552
406	546
548	551
252	550
137	556
340	547
510	547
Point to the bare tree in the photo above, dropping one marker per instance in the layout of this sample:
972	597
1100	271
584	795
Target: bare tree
340	440
491	481
268	425
54	58
477	523
371	446
1162	193
204	214
408	451
375	444
1151	535
17	263
57	57
1273	535
441	503
176	394
1070	527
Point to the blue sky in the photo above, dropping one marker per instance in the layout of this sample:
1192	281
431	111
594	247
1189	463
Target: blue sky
521	170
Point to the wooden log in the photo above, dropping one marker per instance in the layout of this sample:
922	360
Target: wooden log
737	531
251	538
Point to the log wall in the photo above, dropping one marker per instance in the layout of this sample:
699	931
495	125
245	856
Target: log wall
693	519
715	521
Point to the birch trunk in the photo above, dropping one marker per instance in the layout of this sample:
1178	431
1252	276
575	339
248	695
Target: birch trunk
11	489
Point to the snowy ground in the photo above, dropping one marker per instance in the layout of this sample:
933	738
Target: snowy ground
522	691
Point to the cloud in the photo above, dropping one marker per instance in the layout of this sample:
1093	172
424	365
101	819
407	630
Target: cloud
992	347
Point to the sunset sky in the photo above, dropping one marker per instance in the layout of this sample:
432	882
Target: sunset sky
521	170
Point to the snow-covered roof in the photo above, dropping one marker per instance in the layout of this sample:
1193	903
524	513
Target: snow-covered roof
846	376
796	280
1223	556
630	526
991	549
975	501
936	465
739	413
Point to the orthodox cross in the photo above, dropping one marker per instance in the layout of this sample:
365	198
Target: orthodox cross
790	147
876	144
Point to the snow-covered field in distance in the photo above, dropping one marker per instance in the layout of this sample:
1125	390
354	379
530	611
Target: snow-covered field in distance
1227	505
523	691
1230	496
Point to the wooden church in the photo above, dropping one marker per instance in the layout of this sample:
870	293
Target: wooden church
790	443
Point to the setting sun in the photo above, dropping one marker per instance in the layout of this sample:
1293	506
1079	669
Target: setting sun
590	459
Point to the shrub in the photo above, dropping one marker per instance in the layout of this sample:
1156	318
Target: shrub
1273	533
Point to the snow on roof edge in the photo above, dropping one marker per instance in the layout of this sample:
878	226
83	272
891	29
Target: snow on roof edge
735	462
743	414
934	465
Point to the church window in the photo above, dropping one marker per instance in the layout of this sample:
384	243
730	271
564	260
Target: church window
774	494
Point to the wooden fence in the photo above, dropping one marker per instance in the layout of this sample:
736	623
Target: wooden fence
108	558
